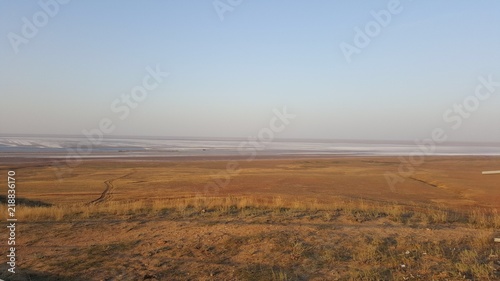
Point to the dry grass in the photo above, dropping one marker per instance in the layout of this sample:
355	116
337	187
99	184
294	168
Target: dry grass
378	241
299	220
355	210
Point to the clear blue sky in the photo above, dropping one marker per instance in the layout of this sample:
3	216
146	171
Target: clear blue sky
227	76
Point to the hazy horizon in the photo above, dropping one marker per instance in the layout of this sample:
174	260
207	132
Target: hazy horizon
281	139
229	72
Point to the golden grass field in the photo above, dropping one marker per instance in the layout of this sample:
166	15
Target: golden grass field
269	219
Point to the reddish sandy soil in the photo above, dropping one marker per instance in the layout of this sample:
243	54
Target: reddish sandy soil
257	244
450	181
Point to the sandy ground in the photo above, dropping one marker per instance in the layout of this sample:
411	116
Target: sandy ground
253	245
238	248
451	181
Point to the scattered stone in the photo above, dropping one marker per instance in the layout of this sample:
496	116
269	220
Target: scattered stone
149	276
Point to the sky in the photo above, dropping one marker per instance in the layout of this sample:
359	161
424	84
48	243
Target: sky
231	64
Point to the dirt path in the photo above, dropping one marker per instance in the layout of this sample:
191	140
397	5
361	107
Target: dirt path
107	193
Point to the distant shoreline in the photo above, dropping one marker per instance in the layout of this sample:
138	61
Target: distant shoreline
177	148
45	160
